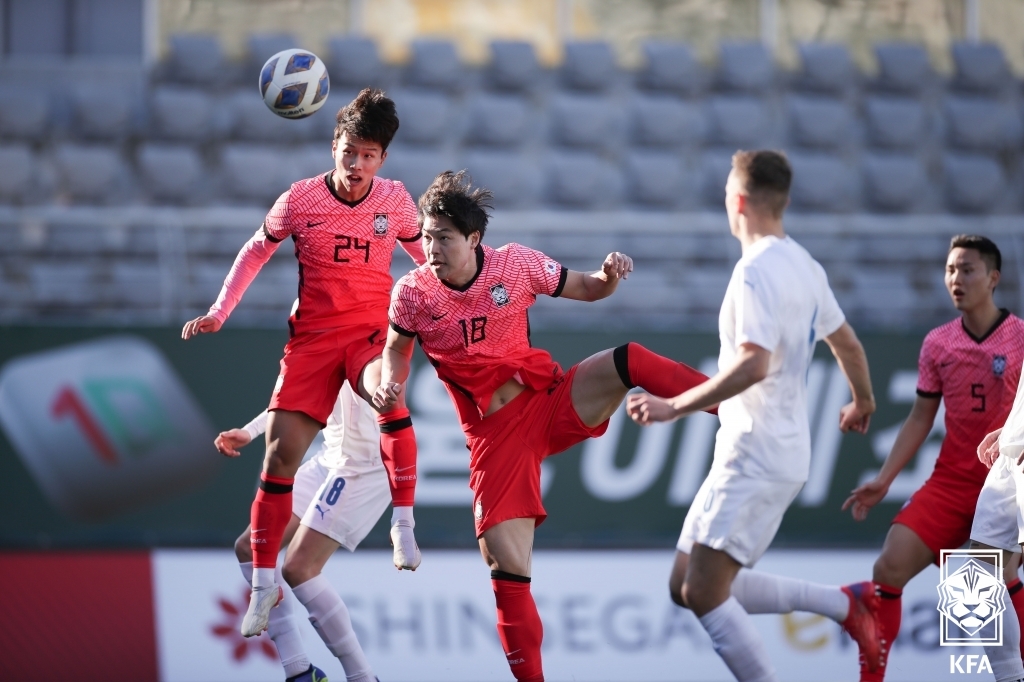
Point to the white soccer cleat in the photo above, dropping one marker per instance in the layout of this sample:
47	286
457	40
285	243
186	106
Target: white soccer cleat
407	552
256	617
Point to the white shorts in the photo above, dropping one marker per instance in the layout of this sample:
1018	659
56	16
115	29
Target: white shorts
736	514
997	517
341	504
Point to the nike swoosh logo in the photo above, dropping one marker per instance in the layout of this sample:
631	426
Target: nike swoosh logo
309	224
404	468
513	652
435	318
258	530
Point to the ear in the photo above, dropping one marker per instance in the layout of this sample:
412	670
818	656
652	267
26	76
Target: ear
334	147
994	277
474	239
383	156
741	203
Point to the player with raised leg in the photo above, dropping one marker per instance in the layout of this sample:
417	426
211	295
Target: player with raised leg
777	306
468	308
973	365
344	224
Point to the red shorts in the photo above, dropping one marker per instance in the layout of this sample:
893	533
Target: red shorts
507	447
316	364
941	514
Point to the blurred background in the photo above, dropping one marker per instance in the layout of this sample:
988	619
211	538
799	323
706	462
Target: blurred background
136	157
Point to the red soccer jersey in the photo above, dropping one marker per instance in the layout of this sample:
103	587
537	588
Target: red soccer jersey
977	380
344	250
478	336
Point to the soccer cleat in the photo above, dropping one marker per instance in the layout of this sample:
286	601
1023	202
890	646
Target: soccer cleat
407	552
314	674
862	622
258	613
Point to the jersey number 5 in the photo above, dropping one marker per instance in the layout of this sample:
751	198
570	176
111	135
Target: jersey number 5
977	394
346	243
475	331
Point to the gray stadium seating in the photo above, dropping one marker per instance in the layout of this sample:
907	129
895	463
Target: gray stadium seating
353	62
581	180
513	66
903	67
311	159
974	183
895	122
415	168
820	122
670	66
825	67
739	120
980	67
588	65
252	120
582	121
498	120
103	112
822	183
981	124
512	178
255	174
893	182
656	179
90	174
182	114
261	47
196	59
18	173
24	113
427	120
715	166
171	173
435	64
662	120
745	66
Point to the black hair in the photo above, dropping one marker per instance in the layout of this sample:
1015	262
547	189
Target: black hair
452	195
766	176
983	245
371	116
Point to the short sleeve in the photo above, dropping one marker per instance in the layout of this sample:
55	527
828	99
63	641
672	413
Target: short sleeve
757	320
830	316
929	382
408	226
278	224
404	308
547	276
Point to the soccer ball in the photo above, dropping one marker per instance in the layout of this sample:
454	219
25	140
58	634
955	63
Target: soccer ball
294	83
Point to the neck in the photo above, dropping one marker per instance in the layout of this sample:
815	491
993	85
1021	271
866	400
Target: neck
751	231
467	272
979	320
346	194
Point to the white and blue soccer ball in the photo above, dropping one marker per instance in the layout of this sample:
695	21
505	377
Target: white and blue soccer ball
294	83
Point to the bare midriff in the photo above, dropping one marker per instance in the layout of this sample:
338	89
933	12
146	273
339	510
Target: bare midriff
505	394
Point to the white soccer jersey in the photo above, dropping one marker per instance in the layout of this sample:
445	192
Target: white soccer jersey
779	299
1011	440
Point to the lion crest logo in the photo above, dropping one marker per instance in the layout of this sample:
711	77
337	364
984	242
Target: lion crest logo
999	365
500	295
971	597
380	224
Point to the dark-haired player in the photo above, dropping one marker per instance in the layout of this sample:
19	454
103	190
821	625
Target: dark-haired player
777	306
973	365
344	224
468	307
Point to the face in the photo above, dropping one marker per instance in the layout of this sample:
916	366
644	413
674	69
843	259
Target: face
734	200
968	280
450	255
357	161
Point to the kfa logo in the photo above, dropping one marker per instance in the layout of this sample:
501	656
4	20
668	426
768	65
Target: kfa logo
971	593
380	224
500	295
999	365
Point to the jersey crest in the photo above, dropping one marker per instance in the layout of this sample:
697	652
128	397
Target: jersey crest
999	365
380	224
500	295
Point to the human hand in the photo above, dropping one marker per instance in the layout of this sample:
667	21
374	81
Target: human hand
386	395
617	266
864	497
645	409
201	325
228	442
856	417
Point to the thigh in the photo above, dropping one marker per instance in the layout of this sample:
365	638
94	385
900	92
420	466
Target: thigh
597	389
904	555
552	421
348	505
308	553
504	476
940	514
311	376
508	546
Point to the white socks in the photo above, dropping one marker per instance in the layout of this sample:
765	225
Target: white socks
1005	659
282	627
766	593
329	616
402	514
264	577
737	642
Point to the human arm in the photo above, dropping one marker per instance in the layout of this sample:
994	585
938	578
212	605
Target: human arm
988	450
749	367
909	440
395	368
228	442
594	286
849	353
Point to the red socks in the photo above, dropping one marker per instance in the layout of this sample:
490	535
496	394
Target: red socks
398	452
1016	589
271	511
654	373
890	613
519	626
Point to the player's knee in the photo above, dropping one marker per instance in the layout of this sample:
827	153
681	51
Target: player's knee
295	573
690	596
888	571
243	548
675	591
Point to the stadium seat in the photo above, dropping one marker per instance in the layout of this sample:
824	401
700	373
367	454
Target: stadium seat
584	121
18	173
656	179
262	46
820	122
580	180
92	174
895	122
981	124
429	117
252	173
822	183
884	296
588	65
196	59
182	114
171	173
825	67
252	120
497	120
715	166
415	168
980	67
513	65
670	66
434	64
353	62
24	113
311	159
746	67
903	67
660	120
102	111
893	182
739	120
974	183
133	283
512	179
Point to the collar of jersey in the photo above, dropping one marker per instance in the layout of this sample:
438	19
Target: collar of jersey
334	193
981	339
479	269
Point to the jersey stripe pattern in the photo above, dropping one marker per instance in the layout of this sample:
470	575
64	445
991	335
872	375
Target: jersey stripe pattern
478	336
344	250
977	380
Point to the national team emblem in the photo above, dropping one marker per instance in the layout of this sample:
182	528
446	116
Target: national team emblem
999	365
380	224
478	511
551	267
500	295
971	595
